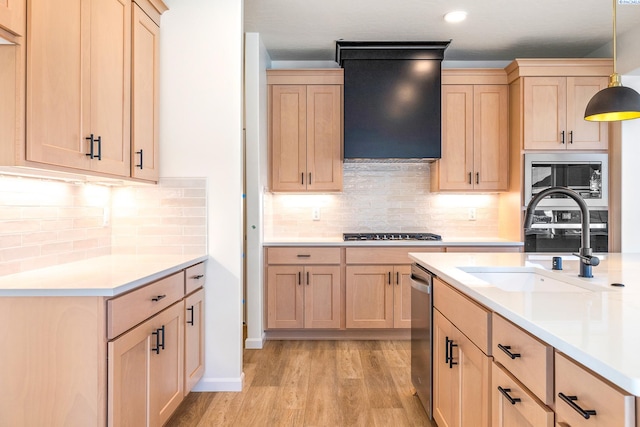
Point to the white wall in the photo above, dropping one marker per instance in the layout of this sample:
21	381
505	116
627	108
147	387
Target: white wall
630	229
201	136
256	63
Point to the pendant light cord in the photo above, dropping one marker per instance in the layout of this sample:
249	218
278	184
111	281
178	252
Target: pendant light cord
615	53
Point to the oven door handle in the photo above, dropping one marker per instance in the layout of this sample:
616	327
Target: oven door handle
567	226
420	285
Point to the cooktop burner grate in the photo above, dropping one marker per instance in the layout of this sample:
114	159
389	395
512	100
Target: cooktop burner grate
391	236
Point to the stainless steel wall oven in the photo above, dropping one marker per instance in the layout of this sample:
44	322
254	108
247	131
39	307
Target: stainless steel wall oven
559	230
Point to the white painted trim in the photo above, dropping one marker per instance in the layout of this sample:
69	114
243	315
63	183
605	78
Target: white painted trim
255	343
219	384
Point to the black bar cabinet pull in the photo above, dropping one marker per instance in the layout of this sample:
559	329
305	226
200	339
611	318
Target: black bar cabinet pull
307	278
469	177
477	177
299	278
389	278
139	152
99	147
158	298
304	255
190	322
570	400
451	362
570	137
90	139
198	276
309	178
446	350
505	392
507	349
562	137
397	278
302	178
159	334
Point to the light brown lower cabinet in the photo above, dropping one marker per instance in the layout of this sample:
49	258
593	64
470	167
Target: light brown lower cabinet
193	339
513	405
585	399
303	297
461	375
145	380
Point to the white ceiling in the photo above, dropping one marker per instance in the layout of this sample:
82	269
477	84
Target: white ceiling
494	29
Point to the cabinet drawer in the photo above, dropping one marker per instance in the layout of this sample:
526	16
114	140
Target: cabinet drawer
613	407
527	358
194	278
126	311
525	410
396	256
471	318
303	255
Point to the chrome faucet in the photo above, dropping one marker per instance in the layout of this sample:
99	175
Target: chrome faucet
587	259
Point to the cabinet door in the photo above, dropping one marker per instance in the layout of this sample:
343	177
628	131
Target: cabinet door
79	57
193	339
12	16
166	366
285	297
545	103
110	90
57	71
402	296
514	405
288	120
474	380
144	96
490	137
456	165
322	297
369	296
585	135
445	374
324	137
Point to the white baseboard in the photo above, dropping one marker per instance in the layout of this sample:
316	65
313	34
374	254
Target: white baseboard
255	343
220	384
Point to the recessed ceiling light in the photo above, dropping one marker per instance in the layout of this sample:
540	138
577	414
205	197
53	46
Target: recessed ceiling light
455	16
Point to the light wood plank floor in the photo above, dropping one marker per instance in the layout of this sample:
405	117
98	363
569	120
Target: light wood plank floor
315	383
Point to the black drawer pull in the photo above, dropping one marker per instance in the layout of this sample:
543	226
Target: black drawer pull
507	349
140	152
303	256
505	392
570	400
157	298
448	352
198	277
190	322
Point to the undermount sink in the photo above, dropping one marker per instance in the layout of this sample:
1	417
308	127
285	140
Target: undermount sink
529	279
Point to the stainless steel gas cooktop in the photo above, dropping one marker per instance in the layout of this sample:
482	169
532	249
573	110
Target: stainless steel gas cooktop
391	236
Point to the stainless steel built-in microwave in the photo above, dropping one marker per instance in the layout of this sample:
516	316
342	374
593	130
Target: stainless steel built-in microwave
585	173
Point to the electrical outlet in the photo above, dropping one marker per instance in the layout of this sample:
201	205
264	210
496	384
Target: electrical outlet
315	214
472	214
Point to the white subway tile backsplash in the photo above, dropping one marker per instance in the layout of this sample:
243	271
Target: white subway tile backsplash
379	196
44	223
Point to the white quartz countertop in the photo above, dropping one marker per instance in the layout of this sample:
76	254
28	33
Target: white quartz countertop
338	241
101	276
598	326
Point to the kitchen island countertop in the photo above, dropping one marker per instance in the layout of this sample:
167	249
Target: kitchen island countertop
598	327
107	276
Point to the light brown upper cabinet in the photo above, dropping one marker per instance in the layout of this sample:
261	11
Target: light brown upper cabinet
78	84
548	99
475	142
145	104
305	129
12	18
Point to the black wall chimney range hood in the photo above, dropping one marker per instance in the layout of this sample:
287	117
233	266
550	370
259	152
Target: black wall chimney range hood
392	98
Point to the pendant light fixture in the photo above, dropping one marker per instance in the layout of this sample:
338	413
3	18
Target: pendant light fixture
616	102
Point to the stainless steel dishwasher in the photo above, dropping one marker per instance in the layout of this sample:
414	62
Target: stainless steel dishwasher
421	334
